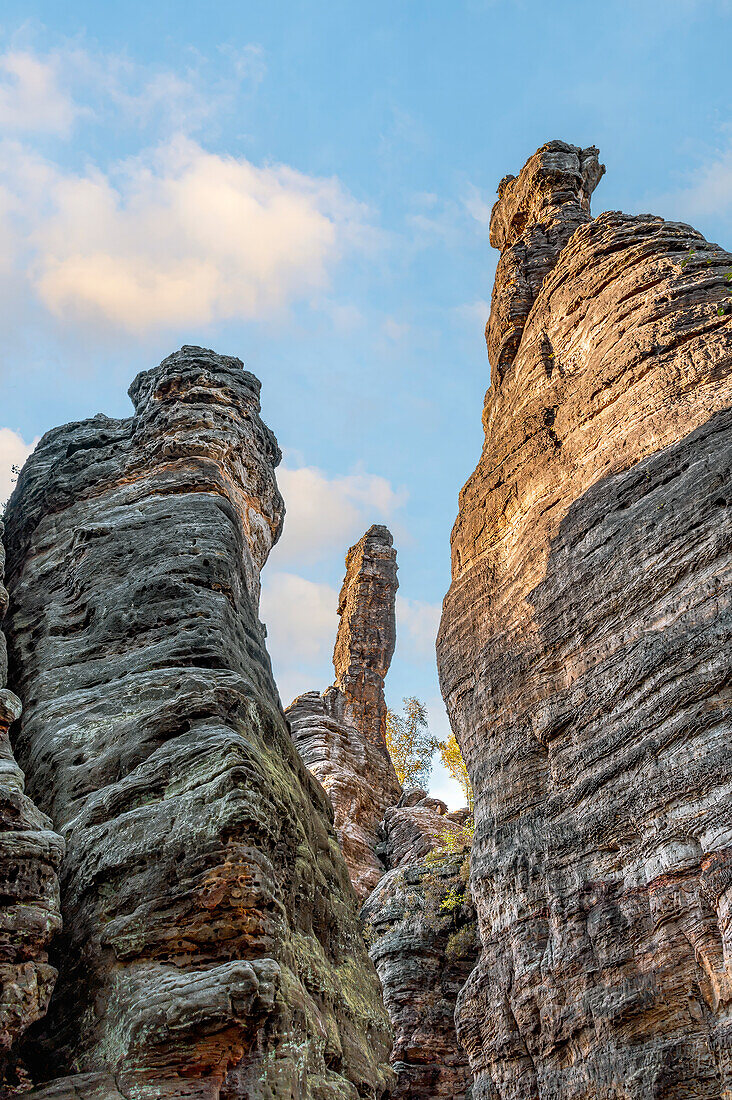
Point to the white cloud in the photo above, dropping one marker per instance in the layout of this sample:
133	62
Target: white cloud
327	514
31	95
417	625
13	453
396	330
475	313
442	785
188	236
302	619
708	192
178	236
477	206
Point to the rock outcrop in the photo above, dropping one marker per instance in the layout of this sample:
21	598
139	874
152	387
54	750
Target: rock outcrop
421	929
210	947
585	652
386	835
30	913
340	734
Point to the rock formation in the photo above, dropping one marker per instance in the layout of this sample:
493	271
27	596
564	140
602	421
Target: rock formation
341	734
386	835
422	935
210	946
584	655
30	855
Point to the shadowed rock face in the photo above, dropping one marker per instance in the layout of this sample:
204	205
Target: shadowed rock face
210	945
423	950
30	855
341	734
584	656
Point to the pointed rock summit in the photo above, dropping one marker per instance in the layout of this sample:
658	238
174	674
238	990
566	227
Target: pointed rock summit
340	734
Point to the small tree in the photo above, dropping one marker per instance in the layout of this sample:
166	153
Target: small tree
452	758
410	744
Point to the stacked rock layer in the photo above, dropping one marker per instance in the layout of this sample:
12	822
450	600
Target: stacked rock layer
584	656
210	945
30	914
420	926
341	734
386	835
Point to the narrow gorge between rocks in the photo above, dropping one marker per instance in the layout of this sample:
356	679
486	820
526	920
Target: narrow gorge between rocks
207	896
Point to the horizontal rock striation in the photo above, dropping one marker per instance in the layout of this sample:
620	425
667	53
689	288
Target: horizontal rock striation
422	935
210	945
584	656
531	222
30	912
340	734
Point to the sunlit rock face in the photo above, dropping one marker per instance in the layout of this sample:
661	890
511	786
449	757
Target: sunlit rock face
340	734
210	945
30	914
420	925
585	652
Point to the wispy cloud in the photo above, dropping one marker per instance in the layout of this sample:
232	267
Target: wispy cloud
13	452
326	514
417	625
708	191
177	235
32	98
301	617
477	205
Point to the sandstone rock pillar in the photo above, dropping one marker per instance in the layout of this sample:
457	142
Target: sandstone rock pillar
210	946
585	653
340	734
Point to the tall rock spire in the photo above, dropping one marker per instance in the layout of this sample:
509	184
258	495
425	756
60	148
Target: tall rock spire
210	946
366	635
584	654
341	733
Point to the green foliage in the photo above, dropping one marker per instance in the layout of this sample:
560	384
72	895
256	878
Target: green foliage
410	743
446	882
462	942
452	758
452	900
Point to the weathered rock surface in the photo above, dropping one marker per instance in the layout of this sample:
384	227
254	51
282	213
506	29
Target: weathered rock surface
531	223
30	912
423	938
341	734
584	655
210	945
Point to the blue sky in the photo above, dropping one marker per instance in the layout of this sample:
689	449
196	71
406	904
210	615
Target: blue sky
308	186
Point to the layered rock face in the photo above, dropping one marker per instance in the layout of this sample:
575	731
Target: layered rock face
210	945
422	935
341	734
30	913
584	656
386	835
